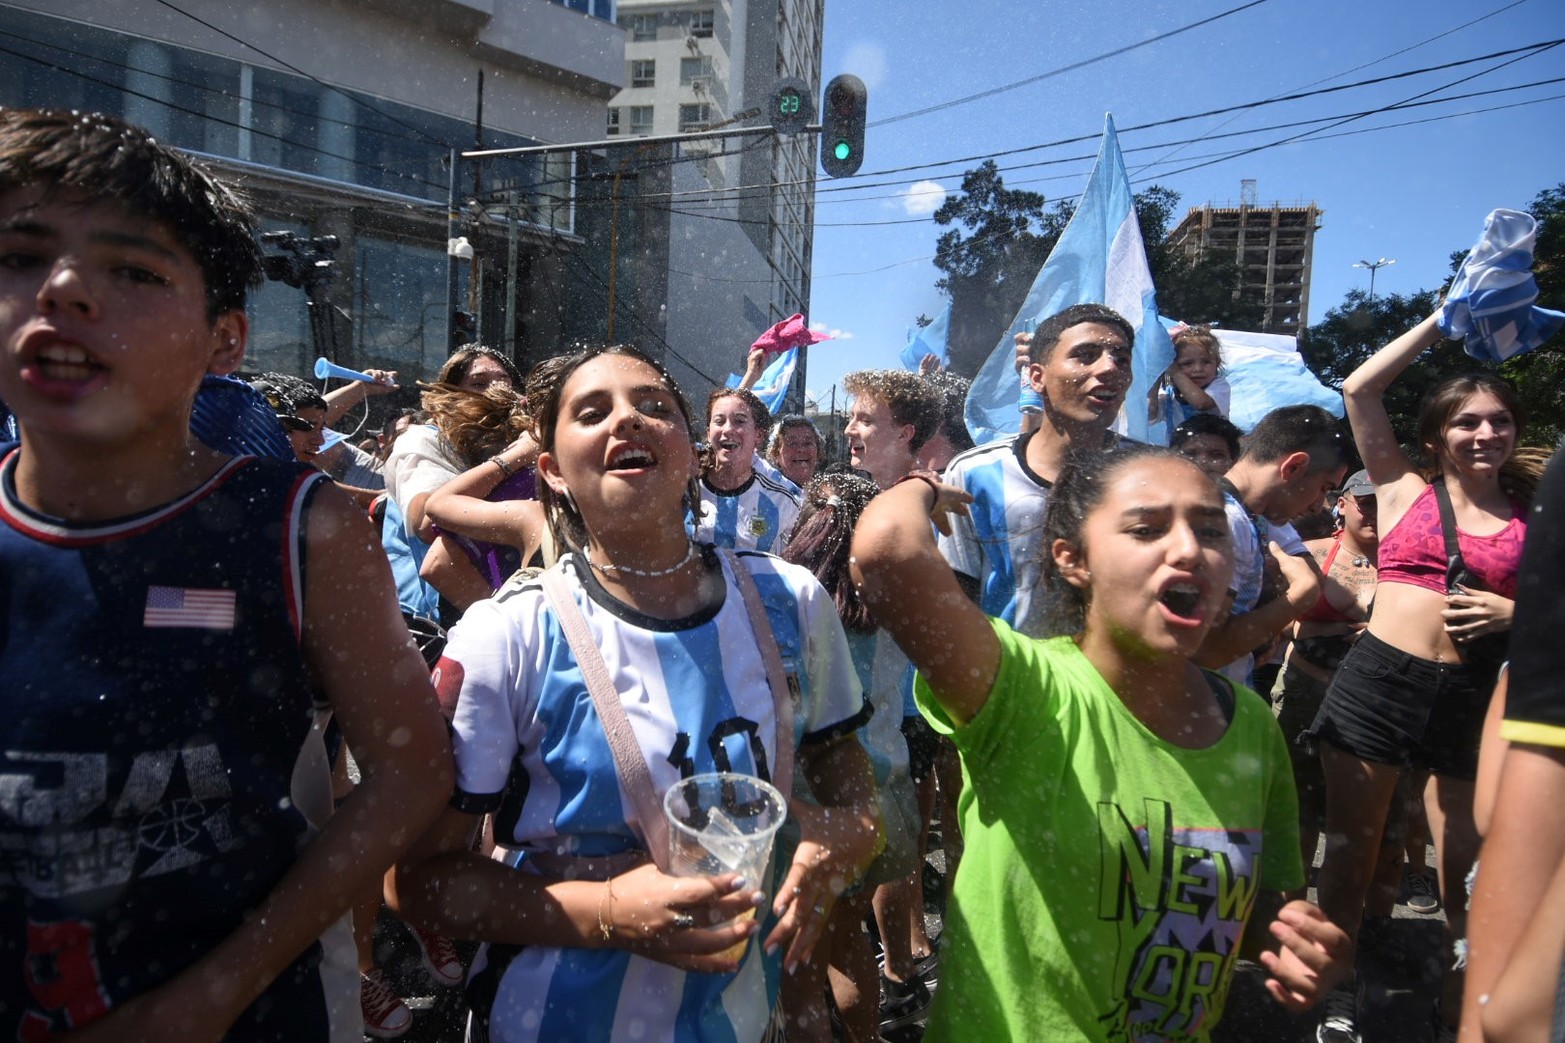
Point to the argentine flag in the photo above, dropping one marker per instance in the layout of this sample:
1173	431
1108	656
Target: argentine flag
772	388
930	340
1100	259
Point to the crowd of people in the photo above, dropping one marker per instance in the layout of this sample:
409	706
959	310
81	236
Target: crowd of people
444	678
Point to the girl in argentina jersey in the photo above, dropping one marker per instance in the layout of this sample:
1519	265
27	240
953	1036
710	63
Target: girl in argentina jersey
588	939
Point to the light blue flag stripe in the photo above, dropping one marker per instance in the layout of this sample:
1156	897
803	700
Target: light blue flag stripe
931	340
1100	259
772	388
1490	302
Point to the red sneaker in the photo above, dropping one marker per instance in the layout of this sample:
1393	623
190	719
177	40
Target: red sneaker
440	958
385	1015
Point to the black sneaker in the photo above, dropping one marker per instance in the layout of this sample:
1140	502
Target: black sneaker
1421	893
1339	1016
902	1002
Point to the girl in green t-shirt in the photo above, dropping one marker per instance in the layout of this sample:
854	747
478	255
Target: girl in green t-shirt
1129	813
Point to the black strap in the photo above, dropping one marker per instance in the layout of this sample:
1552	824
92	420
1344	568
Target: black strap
1261	534
1456	573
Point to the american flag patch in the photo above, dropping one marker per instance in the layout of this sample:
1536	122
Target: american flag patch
189	607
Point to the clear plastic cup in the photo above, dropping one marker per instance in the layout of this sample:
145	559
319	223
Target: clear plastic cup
723	823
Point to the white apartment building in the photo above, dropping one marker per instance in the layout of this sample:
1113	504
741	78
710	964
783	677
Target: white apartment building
740	218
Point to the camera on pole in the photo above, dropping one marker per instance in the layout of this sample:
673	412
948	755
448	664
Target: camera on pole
842	125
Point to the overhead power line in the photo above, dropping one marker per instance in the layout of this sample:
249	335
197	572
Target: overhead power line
1062	70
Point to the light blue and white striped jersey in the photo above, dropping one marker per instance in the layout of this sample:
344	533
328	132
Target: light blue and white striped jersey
1000	541
529	748
1250	535
758	515
887	676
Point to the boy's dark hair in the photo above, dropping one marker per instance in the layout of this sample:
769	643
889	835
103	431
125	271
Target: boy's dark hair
758	411
822	539
1208	424
909	398
952	390
1299	429
1048	333
287	395
104	158
1079	489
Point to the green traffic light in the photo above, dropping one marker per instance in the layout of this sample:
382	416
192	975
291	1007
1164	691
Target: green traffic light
842	150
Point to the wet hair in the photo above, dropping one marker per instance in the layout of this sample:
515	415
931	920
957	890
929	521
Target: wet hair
1300	429
952	390
784	424
106	159
909	398
477	424
758	411
1520	473
1078	491
545	385
1200	337
461	361
287	395
1049	332
823	536
1207	424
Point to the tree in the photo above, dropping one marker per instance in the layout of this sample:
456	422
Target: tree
1358	327
1001	240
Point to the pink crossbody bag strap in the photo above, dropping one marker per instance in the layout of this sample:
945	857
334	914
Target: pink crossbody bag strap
631	765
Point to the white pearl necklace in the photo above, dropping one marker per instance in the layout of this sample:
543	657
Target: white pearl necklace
627	570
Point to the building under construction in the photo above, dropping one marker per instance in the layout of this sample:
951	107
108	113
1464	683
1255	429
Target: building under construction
1273	245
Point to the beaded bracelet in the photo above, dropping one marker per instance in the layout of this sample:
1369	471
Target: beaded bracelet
495	459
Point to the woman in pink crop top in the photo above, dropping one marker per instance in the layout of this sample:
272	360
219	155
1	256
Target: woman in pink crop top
1403	699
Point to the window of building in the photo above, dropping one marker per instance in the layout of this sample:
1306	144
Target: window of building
642	27
643	72
694	70
641	119
603	9
694	117
702	23
613	122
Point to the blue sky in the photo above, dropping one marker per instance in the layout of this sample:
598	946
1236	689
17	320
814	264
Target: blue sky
1413	193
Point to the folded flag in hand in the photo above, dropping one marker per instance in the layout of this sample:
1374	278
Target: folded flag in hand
1490	305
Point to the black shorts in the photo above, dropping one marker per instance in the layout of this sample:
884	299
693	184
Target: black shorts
1393	708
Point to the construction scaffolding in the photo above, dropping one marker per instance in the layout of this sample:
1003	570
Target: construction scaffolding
1273	246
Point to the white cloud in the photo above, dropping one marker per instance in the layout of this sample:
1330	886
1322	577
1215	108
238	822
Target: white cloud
923	198
867	61
835	334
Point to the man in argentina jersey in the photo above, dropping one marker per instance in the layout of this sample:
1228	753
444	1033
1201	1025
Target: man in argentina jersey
531	751
1081	367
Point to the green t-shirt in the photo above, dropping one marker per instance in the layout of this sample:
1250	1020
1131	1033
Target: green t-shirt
1108	874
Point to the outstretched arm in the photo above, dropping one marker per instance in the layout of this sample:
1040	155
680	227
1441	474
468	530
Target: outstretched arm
913	593
1363	393
339	401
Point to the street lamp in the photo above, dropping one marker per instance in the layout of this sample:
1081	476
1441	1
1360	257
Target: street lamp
1373	266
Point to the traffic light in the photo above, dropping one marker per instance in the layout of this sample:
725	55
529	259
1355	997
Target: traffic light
792	108
842	126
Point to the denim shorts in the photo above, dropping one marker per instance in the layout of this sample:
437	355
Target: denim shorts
1390	707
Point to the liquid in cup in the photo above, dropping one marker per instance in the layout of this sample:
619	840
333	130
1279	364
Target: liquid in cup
723	822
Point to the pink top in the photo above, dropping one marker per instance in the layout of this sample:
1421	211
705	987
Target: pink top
1414	550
